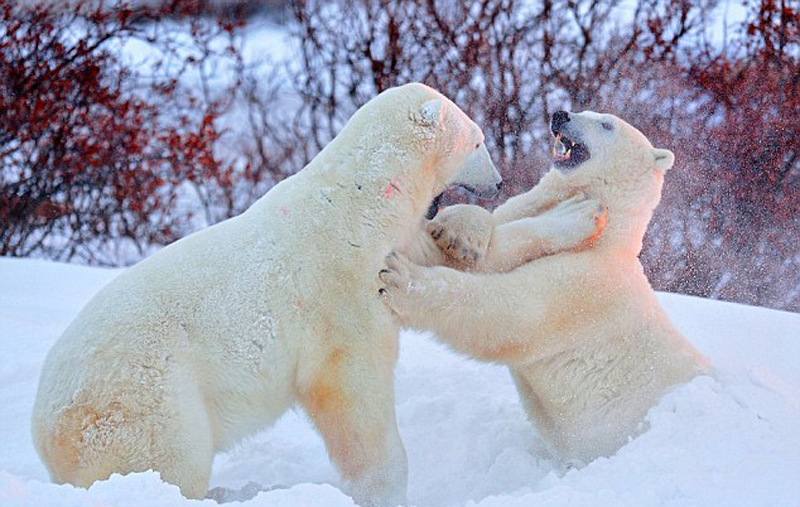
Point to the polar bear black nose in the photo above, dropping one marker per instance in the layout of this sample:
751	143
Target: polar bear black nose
559	119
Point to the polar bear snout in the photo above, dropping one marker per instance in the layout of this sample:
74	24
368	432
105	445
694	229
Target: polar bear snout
478	174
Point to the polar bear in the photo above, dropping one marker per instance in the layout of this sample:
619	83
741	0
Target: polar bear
215	336
589	348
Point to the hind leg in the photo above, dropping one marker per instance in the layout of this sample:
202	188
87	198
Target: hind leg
189	444
138	430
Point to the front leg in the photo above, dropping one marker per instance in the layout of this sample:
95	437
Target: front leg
503	317
571	224
470	241
551	189
351	402
463	233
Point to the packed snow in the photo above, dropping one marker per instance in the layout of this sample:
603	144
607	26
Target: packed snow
728	440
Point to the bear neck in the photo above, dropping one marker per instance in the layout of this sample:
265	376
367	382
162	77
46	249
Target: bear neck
402	199
624	231
630	203
394	187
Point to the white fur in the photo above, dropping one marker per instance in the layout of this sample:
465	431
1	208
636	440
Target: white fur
471	239
216	335
588	345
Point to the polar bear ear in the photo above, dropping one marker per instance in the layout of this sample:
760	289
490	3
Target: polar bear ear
430	114
663	158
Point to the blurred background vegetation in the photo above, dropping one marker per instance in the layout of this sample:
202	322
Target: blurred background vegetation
126	126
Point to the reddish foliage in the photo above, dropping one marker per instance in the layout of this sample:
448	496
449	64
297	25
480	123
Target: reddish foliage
92	155
727	226
745	144
84	161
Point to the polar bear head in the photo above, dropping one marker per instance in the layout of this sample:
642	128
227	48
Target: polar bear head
461	155
614	163
459	144
417	122
609	158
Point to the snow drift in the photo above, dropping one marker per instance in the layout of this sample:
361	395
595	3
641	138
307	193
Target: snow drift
728	440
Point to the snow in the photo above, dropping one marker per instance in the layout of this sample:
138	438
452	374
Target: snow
731	440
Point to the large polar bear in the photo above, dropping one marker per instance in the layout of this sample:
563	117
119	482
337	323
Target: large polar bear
588	345
216	335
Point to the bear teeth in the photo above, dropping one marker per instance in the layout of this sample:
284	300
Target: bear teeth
560	150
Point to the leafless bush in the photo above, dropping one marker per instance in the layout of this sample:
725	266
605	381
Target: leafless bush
728	223
102	161
215	131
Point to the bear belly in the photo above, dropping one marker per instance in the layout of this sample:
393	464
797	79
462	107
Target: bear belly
585	406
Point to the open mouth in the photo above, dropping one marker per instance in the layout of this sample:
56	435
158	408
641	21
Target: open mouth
433	209
568	153
483	193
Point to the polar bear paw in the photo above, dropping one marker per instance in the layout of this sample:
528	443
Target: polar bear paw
396	283
573	223
462	232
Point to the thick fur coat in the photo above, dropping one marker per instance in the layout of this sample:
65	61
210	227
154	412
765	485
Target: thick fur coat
216	335
588	345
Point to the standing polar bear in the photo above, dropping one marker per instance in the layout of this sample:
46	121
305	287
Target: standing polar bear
588	345
216	335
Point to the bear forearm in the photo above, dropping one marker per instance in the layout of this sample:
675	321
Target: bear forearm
514	244
469	313
424	251
544	195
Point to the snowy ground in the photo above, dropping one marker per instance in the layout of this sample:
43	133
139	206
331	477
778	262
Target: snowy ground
733	440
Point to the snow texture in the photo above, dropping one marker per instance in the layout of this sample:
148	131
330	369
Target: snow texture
727	441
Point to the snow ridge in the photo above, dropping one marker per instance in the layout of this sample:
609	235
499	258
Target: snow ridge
728	440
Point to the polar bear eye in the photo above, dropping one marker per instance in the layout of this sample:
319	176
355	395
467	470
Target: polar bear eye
608	126
478	145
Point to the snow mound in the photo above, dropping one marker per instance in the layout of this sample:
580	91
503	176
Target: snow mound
728	440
